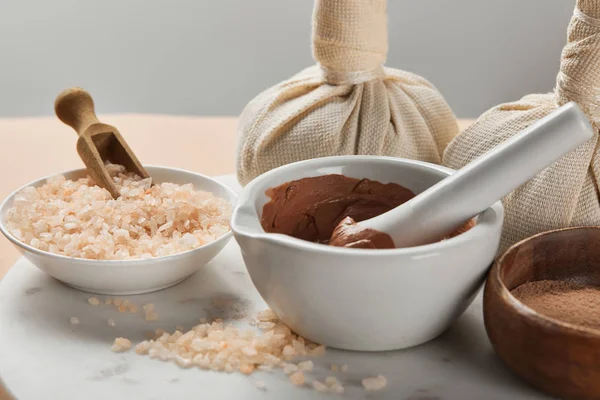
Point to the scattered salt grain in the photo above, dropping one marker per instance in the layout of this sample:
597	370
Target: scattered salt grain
299	347
93	301
249	351
151	316
331	380
79	219
150	313
260	385
289	369
74	321
266	316
337	388
111	322
265	326
375	383
247	369
306	366
297	378
121	344
317	351
320	386
184	362
289	351
220	347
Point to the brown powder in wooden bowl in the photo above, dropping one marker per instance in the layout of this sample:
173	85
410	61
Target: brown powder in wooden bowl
566	301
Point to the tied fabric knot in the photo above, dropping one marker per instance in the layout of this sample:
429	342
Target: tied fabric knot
334	77
350	40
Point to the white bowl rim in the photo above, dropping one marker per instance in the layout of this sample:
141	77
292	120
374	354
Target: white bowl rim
113	263
482	228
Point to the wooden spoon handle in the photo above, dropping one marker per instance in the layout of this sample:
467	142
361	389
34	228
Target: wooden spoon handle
75	108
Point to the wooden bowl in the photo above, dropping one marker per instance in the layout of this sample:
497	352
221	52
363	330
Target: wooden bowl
556	357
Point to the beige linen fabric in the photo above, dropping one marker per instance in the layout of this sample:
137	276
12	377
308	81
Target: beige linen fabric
348	103
566	193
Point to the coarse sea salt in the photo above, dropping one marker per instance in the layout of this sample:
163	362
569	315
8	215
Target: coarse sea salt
93	301
80	219
121	344
219	347
374	384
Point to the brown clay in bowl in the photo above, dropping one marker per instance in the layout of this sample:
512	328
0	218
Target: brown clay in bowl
558	358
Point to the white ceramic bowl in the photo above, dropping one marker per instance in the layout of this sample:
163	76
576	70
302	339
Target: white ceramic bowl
115	277
357	299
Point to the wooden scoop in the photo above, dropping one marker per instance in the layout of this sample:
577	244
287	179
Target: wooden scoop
97	142
447	205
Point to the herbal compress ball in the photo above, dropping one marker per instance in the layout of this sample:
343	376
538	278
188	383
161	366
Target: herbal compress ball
346	104
566	193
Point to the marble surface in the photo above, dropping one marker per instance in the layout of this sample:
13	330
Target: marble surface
43	356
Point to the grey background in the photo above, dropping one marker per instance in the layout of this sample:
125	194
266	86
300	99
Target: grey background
210	57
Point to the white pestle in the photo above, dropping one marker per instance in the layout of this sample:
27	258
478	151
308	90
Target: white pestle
447	205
